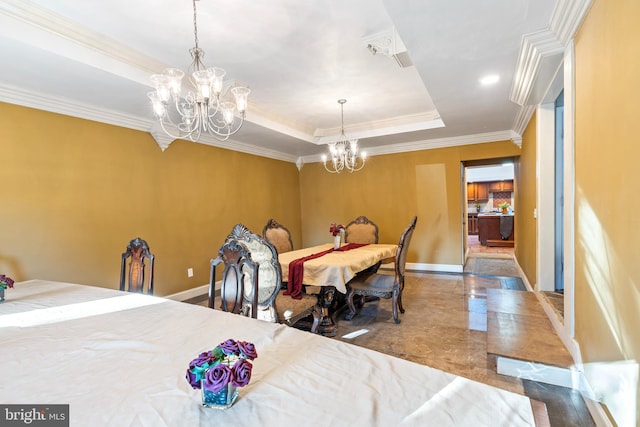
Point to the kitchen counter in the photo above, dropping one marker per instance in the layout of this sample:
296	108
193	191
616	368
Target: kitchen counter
496	229
495	214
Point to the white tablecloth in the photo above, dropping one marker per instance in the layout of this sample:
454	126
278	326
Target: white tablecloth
335	268
119	359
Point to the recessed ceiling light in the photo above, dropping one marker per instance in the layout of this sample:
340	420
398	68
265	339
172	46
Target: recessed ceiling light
488	80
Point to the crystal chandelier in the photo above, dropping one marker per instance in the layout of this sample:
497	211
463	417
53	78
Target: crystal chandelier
344	153
207	108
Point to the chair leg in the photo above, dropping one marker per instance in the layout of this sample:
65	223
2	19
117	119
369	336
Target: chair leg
352	308
400	301
394	303
316	320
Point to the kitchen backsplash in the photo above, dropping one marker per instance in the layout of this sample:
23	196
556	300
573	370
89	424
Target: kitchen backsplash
493	204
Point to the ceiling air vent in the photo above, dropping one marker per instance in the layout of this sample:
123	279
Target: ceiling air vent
388	43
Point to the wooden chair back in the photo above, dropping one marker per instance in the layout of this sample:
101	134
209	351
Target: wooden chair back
403	249
251	277
383	285
132	274
239	279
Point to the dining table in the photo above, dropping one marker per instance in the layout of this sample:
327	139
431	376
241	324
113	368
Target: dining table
329	273
119	359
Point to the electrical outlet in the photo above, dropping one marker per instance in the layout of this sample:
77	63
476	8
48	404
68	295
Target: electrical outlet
189	272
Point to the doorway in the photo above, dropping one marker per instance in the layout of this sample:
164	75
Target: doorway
559	194
555	296
487	184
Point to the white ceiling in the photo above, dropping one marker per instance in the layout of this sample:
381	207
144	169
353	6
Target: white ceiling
490	173
93	59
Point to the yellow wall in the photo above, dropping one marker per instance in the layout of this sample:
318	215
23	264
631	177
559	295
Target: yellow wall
74	192
607	280
390	190
525	199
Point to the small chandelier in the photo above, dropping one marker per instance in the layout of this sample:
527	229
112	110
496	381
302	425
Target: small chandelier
344	153
206	108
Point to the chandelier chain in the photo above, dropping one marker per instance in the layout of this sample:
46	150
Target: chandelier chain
195	24
342	101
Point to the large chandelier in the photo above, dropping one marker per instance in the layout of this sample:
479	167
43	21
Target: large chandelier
344	153
207	108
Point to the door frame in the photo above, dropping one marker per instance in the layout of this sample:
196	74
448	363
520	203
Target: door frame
564	80
493	161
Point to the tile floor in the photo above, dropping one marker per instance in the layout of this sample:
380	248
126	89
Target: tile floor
445	327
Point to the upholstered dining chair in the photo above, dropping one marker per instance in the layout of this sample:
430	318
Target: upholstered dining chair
383	285
278	235
362	230
252	278
132	274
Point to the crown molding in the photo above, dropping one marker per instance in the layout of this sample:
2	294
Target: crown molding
162	139
408	123
75	41
522	119
541	54
534	50
567	17
242	147
431	144
257	115
60	105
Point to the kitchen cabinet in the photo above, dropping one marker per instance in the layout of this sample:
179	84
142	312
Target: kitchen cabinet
477	192
505	185
472	223
482	191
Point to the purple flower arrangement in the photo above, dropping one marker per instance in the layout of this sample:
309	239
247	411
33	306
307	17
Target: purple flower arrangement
6	282
227	363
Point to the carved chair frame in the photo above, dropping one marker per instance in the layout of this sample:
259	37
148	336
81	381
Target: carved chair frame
132	279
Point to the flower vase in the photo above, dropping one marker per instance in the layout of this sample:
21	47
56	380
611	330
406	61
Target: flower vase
1	295
336	241
222	399
504	211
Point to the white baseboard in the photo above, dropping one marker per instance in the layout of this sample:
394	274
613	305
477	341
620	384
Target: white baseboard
570	344
442	268
562	377
189	293
522	275
578	378
547	374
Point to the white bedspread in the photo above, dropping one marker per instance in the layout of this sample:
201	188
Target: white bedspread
119	360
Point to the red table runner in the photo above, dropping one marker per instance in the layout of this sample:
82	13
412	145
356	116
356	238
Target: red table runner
296	269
